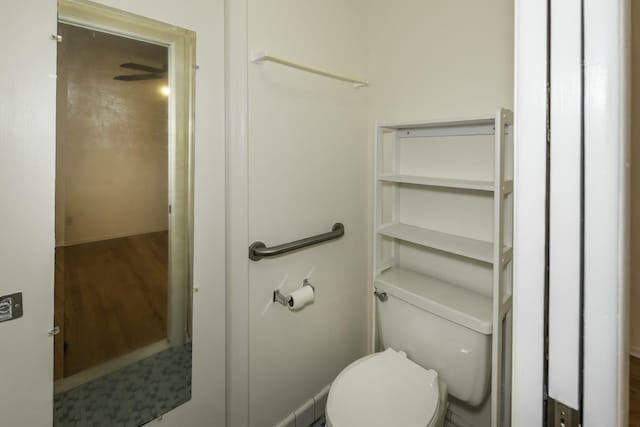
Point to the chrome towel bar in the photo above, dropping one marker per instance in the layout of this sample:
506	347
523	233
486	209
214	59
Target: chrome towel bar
259	250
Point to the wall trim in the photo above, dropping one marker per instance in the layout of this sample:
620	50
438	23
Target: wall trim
316	404
237	213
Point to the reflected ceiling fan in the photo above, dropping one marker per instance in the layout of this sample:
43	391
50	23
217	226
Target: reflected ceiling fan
152	73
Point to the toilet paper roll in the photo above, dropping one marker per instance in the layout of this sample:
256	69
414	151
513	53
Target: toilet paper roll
301	297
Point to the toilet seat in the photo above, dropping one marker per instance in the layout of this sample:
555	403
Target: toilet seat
384	389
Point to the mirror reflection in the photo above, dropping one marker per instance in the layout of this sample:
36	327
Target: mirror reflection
122	264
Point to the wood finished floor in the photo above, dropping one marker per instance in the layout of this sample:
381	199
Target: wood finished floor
113	296
634	392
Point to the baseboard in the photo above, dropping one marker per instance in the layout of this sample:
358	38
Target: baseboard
108	237
454	420
635	351
73	381
310	411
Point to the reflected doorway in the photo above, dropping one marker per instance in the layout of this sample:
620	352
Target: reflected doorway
122	352
111	199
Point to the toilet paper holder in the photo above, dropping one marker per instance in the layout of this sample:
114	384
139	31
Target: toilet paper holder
287	300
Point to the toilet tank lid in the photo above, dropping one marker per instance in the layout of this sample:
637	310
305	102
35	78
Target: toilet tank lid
444	299
383	390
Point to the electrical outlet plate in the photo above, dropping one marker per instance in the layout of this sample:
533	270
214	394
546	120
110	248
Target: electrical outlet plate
10	307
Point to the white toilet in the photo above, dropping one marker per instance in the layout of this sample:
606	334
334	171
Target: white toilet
437	341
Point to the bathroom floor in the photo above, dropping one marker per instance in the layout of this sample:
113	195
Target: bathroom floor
634	392
319	422
130	396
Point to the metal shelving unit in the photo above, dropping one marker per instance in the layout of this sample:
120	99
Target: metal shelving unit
389	273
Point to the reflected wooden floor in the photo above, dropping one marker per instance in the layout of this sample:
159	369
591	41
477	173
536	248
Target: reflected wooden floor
634	392
113	294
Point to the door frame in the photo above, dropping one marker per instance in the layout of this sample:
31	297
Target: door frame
237	209
606	56
607	232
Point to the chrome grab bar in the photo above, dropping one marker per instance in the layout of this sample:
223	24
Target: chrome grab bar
259	250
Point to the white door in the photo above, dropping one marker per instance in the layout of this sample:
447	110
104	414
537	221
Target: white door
27	161
571	278
27	182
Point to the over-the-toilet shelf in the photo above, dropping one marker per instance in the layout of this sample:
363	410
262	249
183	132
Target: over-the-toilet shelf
443	190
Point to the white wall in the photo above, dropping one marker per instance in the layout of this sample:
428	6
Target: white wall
437	58
27	156
307	169
310	158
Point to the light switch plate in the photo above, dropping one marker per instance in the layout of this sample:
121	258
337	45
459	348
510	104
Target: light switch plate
10	307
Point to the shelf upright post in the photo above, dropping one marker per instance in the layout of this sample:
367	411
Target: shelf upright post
377	218
498	269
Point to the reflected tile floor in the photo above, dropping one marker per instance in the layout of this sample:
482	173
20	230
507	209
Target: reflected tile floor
131	396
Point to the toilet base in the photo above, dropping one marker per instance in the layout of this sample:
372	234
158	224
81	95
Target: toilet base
439	417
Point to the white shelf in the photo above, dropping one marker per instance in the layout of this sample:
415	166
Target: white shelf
464	184
446	300
464	246
482	119
449	122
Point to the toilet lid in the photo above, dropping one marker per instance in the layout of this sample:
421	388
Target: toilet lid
385	389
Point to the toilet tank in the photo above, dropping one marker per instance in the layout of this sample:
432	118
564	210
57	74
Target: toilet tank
440	326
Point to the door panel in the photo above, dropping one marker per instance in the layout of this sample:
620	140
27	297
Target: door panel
27	163
565	199
27	160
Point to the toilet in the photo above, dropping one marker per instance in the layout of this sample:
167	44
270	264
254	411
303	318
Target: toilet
437	342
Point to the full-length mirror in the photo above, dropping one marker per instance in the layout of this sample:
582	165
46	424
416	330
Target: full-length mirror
123	287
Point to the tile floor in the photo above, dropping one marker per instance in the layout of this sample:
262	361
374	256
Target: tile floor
634	392
320	422
131	396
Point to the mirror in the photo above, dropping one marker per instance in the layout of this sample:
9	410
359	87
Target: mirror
123	221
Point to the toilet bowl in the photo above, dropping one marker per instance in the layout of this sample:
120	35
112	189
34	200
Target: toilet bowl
386	389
